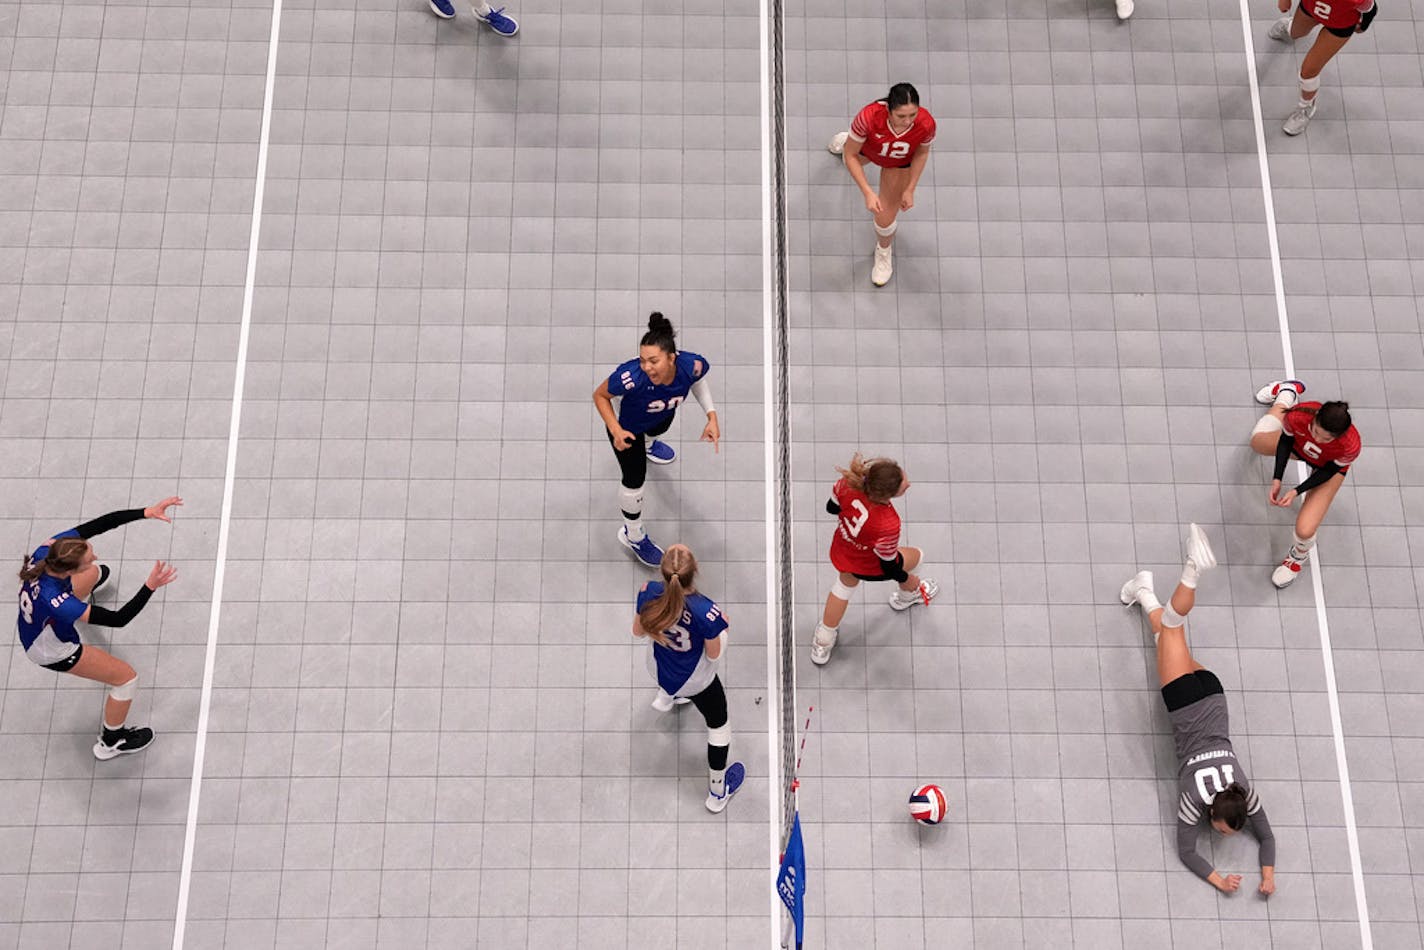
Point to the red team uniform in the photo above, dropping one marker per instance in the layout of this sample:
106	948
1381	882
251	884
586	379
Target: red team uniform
1336	14
1342	450
866	532
871	127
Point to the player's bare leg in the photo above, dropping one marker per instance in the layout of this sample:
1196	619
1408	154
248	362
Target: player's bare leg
1324	48
1169	623
837	602
1307	523
891	192
1281	396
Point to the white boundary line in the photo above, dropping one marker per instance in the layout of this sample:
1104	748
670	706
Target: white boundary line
180	922
775	779
1352	835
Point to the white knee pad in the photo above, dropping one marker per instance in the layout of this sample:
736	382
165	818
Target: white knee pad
1310	85
721	736
630	500
124	693
1170	618
841	591
888	231
1268	423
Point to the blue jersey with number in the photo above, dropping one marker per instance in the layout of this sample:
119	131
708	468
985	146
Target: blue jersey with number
48	612
645	404
701	621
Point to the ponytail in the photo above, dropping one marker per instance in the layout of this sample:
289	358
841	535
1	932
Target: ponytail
880	479
662	612
63	556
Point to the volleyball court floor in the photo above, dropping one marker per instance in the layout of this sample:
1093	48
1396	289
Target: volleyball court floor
429	726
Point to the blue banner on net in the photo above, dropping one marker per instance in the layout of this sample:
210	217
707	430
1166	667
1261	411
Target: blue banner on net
791	881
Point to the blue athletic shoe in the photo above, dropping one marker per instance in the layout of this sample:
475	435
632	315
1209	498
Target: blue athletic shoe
736	775
444	9
497	21
646	550
660	453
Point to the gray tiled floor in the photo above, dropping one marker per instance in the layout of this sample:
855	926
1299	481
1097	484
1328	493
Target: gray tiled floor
429	726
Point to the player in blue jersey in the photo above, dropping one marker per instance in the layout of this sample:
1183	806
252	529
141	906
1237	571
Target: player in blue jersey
55	585
650	388
1211	781
688	631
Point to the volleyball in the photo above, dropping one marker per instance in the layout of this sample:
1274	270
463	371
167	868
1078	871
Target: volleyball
927	805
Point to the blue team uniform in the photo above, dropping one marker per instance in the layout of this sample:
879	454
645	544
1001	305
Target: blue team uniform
645	405
48	612
683	669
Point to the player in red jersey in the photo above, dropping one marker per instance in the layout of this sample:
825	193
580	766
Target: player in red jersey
866	546
1323	437
895	134
1338	21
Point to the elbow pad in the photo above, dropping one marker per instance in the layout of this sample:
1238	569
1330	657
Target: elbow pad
832	508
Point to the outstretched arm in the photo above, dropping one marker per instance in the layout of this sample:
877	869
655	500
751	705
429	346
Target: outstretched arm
117	519
1261	828
1187	851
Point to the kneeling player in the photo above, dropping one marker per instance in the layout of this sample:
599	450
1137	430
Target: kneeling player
1210	779
1323	437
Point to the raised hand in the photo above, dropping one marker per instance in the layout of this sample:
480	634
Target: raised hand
159	509
161	575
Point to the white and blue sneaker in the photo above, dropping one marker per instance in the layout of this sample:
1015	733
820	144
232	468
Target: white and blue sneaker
497	20
645	550
660	453
444	9
736	775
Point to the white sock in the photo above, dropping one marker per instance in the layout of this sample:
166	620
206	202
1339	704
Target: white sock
480	7
717	782
1190	574
1302	547
1148	600
634	527
1287	397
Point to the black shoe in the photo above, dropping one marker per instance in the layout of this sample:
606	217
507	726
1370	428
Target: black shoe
124	740
104	575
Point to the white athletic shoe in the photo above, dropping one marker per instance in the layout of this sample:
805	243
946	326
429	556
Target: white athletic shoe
905	599
1285	574
662	702
1199	548
1124	9
822	643
883	267
1141	581
1280	30
836	145
1267	394
1297	121
733	778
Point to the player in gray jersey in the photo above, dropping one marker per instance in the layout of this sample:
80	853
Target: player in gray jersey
1211	782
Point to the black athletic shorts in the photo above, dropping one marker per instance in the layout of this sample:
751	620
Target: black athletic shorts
1191	688
899	560
66	664
1344	32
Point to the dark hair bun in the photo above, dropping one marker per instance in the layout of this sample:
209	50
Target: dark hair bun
656	321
